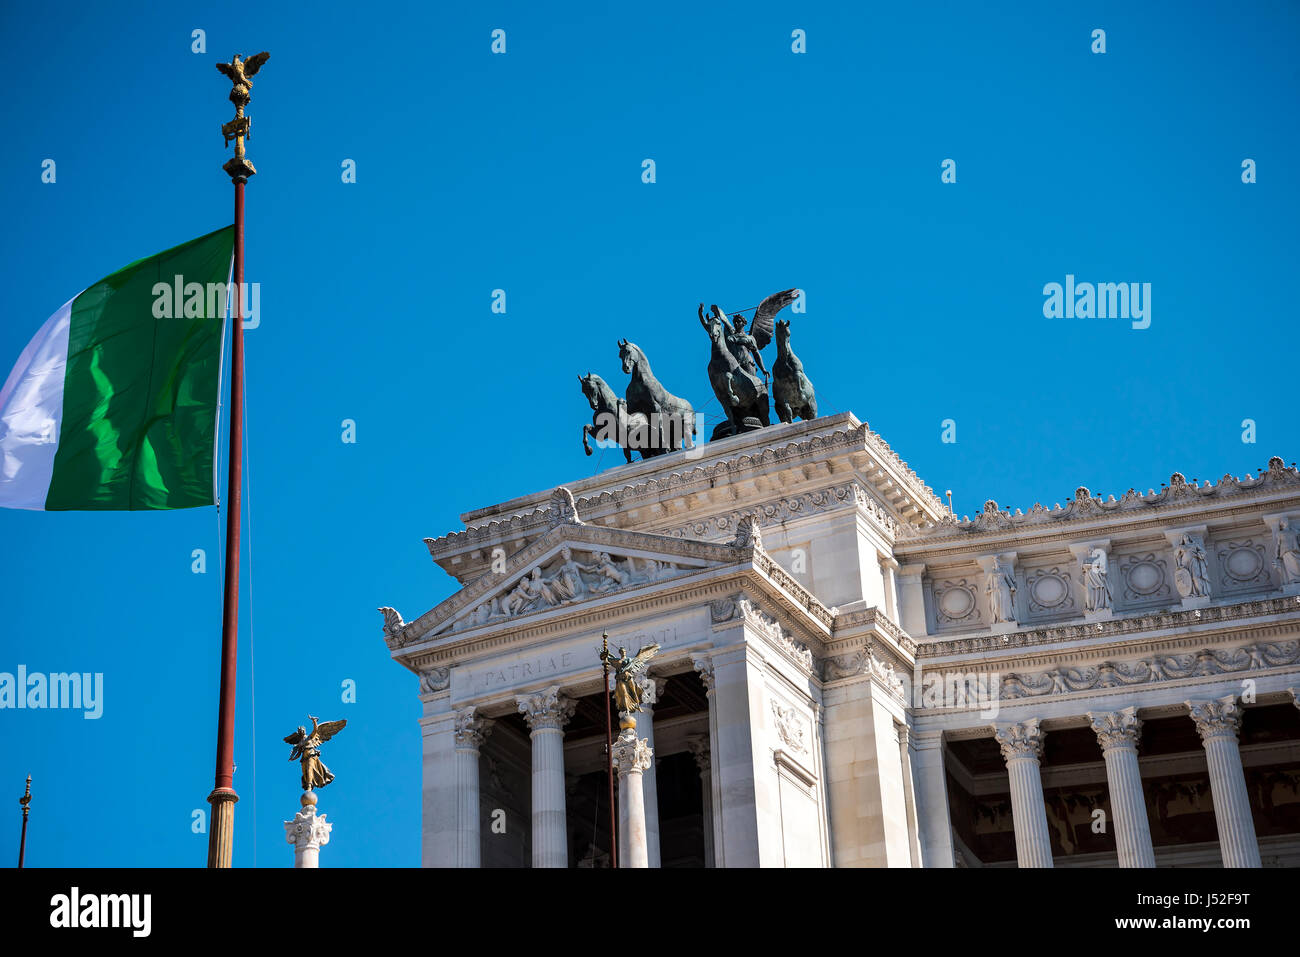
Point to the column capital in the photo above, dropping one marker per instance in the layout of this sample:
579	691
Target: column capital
704	667
1023	740
308	830
471	729
1216	718
547	710
631	753
652	689
698	743
1116	729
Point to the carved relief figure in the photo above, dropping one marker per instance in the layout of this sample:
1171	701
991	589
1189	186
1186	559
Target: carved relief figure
1001	589
1287	553
1192	577
1096	581
612	575
567	581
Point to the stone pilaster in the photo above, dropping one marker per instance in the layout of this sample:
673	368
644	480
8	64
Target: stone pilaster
1022	749
1218	721
470	731
308	832
699	745
932	800
631	758
1118	733
547	712
651	690
703	664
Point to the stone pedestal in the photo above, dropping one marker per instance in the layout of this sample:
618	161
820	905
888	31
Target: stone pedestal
1218	722
1022	749
1118	733
547	712
307	832
631	758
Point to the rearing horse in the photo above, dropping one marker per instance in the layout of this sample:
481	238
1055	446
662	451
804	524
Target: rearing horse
608	410
647	396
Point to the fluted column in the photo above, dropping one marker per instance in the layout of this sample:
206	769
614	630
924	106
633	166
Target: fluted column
1022	749
471	731
631	758
547	712
699	745
1218	722
1118	733
703	664
651	690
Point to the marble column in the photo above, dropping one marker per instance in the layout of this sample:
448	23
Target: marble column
547	712
651	690
471	730
1022	749
703	664
1118	733
307	832
909	793
935	822
631	758
699	745
1218	722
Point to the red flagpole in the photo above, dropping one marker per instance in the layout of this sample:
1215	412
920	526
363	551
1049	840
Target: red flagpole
609	753
223	796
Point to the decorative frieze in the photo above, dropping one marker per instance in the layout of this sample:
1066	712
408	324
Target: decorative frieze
1153	668
740	607
1087	507
864	662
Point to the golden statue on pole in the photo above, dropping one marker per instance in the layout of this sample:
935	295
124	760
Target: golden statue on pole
238	71
306	748
627	693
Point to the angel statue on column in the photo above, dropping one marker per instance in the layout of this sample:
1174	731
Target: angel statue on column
627	693
306	748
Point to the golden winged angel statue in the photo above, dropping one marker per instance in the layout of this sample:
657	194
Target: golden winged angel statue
306	748
627	693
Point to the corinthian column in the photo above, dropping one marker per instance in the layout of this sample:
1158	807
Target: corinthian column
1218	722
651	689
631	757
1022	749
471	731
307	832
699	745
547	712
1118	733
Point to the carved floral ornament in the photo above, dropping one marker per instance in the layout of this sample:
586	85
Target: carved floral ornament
864	662
1149	670
1085	505
741	608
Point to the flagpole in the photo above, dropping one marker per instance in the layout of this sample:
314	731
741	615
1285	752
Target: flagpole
609	751
223	797
25	800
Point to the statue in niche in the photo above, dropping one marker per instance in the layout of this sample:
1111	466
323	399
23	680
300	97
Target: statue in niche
1001	589
1096	582
1287	553
1192	576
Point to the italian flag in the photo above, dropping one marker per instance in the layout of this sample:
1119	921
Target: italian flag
113	405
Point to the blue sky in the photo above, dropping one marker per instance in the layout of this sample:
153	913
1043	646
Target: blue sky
523	172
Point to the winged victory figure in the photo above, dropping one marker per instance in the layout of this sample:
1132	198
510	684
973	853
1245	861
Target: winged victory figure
306	748
239	70
627	694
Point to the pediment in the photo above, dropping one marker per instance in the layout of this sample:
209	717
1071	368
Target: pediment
569	565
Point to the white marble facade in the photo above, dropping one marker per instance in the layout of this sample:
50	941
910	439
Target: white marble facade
847	636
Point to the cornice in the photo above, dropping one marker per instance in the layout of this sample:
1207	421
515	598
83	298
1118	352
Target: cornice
1177	497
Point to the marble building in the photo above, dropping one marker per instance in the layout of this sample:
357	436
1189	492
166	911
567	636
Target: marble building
852	676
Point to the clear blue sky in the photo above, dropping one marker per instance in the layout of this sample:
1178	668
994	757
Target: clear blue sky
523	172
